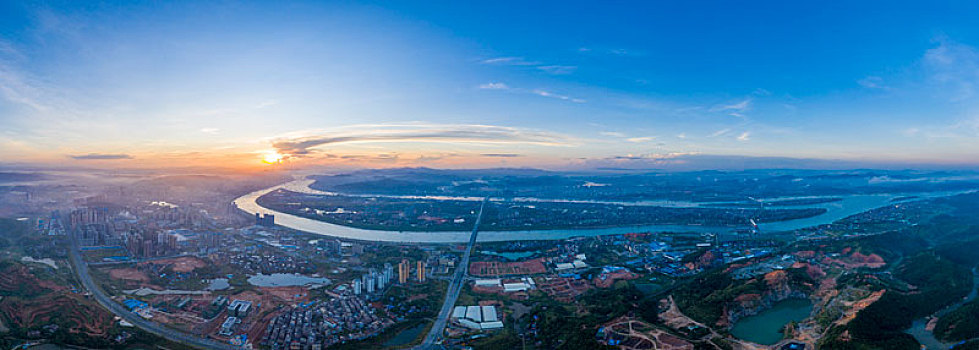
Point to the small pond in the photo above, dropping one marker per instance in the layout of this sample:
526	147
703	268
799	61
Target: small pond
511	255
218	284
406	336
284	279
766	327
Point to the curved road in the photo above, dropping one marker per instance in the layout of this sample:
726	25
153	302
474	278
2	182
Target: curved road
81	269
455	287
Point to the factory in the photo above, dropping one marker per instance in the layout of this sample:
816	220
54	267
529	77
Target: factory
477	317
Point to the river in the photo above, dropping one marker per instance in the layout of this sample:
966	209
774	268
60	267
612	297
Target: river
927	338
849	205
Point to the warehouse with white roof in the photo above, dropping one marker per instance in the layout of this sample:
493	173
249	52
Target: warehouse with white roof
477	317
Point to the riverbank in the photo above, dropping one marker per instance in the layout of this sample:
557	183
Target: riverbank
850	205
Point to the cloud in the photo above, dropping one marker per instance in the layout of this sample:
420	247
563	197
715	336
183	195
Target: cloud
953	66
681	135
719	132
872	82
101	156
266	103
612	134
538	92
494	86
745	136
641	139
555	69
651	156
610	51
510	61
736	107
20	89
501	155
558	69
297	146
211	131
695	161
546	93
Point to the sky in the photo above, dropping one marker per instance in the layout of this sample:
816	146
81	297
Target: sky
450	84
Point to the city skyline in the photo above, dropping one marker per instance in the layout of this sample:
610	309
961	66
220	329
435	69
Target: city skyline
551	85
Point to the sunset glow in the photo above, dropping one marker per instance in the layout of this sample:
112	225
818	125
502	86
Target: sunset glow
272	158
592	86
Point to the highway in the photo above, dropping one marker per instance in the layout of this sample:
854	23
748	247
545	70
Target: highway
455	287
81	269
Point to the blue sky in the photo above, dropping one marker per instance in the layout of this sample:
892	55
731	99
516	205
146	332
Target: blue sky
453	84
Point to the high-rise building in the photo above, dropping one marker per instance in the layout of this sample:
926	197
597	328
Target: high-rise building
375	279
378	279
357	286
421	271
403	271
267	220
388	273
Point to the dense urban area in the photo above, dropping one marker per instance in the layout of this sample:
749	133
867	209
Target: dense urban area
133	261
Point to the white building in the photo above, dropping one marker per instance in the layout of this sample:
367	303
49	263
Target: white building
477	317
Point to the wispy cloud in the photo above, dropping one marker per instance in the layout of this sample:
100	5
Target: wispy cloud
610	51
652	156
734	109
475	134
739	106
719	133
612	134
494	86
954	66
538	92
546	93
745	136
510	61
501	155
101	156
266	103
211	131
555	69
18	88
873	82
558	69
641	139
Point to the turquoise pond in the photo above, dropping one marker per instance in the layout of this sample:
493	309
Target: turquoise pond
766	327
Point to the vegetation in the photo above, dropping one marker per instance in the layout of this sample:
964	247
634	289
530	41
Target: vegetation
938	282
959	324
37	305
705	297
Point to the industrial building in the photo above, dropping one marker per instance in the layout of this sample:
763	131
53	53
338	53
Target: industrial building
477	317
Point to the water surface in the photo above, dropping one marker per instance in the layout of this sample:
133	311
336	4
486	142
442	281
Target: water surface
511	255
406	336
848	206
765	328
284	279
218	284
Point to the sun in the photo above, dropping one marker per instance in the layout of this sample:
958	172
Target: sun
272	157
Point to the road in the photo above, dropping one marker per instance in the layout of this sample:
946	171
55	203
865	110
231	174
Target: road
81	269
455	287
